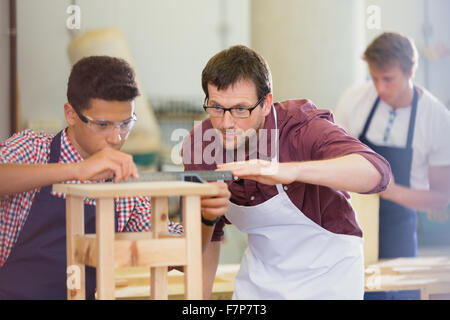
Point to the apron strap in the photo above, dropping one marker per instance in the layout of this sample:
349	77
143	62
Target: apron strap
276	158
280	188
55	151
55	148
369	118
412	118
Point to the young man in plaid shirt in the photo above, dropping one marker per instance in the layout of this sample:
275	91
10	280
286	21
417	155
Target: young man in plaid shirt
100	115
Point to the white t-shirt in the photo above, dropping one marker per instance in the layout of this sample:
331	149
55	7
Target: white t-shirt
389	127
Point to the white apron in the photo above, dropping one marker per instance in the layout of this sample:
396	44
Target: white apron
291	257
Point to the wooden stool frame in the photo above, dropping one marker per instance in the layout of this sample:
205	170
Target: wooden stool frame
106	250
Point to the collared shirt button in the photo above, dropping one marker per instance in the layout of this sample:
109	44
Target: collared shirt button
252	198
285	188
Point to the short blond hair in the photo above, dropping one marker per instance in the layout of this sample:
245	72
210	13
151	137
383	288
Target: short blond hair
392	47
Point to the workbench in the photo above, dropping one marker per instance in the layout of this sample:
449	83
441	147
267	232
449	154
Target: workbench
402	278
134	265
421	278
134	284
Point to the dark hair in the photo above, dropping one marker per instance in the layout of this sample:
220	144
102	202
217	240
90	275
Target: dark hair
390	47
234	64
100	77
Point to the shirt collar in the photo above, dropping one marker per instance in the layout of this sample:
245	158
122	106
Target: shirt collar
68	152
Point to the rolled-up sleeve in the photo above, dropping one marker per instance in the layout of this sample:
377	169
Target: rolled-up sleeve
327	140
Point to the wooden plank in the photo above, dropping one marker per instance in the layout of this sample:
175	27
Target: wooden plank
156	189
159	283
105	220
151	253
413	266
134	253
193	273
419	262
159	223
428	284
86	250
132	283
76	278
160	215
135	236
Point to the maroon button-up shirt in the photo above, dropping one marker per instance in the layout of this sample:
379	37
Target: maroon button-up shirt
305	134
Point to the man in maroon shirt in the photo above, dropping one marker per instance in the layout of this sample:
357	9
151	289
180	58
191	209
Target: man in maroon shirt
291	165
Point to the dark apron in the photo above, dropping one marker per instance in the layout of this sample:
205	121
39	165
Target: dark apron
36	266
398	225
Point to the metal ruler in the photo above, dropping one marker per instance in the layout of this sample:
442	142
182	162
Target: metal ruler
192	176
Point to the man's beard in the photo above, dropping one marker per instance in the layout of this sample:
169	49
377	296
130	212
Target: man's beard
234	139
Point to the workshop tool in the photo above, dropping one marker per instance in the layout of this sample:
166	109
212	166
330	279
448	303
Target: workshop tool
190	176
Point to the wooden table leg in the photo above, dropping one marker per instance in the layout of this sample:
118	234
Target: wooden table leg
104	225
76	285
159	223
192	231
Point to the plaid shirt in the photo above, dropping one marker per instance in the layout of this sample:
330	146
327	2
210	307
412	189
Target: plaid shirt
29	147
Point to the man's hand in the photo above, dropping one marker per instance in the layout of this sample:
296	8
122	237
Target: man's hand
439	216
263	171
213	207
434	201
217	205
331	173
17	177
106	164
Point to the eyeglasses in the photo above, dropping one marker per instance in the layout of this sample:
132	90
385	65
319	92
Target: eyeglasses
105	127
240	112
